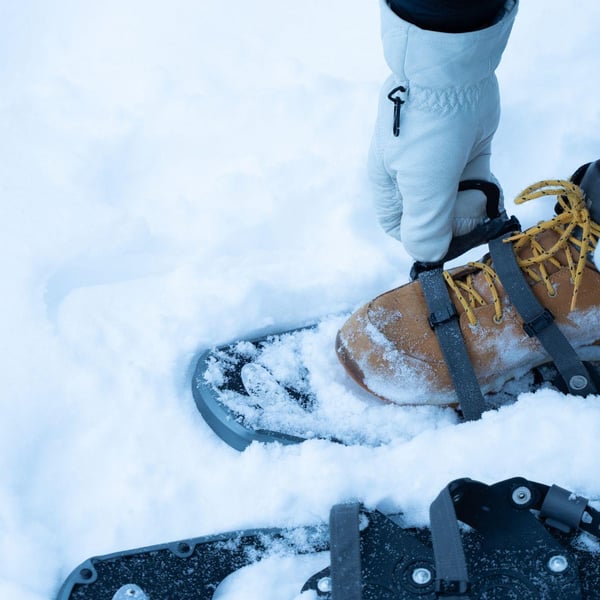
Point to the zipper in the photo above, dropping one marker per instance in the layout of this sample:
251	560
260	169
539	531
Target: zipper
398	97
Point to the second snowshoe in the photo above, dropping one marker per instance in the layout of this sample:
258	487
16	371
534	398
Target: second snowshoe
527	540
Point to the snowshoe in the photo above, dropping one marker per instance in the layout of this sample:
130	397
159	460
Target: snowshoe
526	540
289	387
474	338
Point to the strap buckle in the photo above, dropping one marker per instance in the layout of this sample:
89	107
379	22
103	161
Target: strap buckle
563	509
450	587
443	315
539	323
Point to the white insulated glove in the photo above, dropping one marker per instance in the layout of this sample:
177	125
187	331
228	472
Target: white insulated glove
438	113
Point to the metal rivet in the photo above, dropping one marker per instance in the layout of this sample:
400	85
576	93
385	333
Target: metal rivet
578	382
130	590
558	563
324	585
421	576
521	495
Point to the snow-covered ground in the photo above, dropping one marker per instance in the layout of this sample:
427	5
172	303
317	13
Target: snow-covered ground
178	174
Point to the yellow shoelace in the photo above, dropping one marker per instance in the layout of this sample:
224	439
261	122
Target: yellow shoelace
573	215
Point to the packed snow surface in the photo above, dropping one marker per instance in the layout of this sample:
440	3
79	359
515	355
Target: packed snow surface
176	175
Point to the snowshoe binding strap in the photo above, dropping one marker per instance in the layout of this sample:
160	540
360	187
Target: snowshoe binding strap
489	189
495	224
452	580
574	223
346	562
443	316
577	238
523	544
538	321
443	319
572	218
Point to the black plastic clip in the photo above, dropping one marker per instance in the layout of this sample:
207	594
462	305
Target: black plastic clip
398	102
443	315
538	324
419	267
446	587
563	509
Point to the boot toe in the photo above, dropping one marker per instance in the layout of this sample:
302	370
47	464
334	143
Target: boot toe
388	352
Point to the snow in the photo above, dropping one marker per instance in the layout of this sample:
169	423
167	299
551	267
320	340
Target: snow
297	385
177	175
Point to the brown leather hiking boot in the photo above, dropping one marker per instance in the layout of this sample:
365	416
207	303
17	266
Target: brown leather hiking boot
389	348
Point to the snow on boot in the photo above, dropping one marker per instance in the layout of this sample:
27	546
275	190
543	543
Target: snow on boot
389	347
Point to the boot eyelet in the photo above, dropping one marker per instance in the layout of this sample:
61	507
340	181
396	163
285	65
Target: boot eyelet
497	320
553	294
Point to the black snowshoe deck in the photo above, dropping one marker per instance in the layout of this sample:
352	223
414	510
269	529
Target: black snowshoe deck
527	540
186	569
288	387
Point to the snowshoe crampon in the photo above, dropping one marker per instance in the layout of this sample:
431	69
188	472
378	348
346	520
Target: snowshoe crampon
526	540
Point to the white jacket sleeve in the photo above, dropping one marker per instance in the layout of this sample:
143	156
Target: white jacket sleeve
449	115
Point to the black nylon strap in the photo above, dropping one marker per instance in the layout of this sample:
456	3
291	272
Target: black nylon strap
538	321
452	578
345	552
482	234
444	321
489	189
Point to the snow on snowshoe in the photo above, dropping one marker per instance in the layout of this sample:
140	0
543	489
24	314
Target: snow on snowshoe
236	390
289	387
526	540
186	569
452	336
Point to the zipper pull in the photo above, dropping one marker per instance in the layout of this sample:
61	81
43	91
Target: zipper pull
396	97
